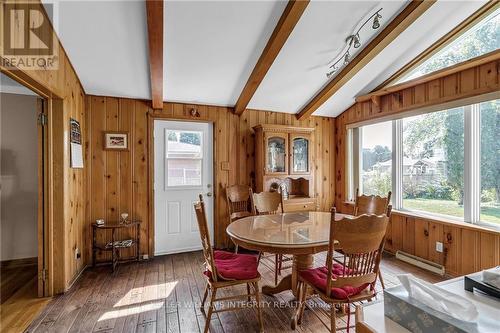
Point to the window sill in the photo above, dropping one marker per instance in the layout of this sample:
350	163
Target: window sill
484	227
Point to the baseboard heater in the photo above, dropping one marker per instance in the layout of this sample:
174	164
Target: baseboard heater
420	262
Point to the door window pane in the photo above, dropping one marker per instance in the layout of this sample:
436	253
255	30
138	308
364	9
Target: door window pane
490	161
184	155
183	172
276	154
376	159
433	162
300	155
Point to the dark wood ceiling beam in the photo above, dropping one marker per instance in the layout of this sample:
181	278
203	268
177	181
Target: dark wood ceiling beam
154	11
284	28
404	19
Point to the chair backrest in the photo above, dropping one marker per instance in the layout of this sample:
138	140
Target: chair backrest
361	240
239	201
208	252
372	204
268	203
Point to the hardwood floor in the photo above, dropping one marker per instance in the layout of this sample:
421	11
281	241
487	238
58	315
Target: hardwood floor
163	295
21	308
15	274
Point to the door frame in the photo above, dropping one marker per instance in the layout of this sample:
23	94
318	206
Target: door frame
50	224
151	222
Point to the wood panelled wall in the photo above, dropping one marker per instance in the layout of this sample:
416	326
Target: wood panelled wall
119	181
467	248
65	95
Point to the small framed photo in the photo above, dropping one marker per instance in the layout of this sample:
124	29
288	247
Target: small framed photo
116	140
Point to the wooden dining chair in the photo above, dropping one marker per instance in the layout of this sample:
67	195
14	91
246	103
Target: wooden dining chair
361	239
361	325
373	204
239	200
266	203
226	269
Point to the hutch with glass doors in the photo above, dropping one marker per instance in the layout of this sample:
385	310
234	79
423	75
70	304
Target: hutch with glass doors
283	156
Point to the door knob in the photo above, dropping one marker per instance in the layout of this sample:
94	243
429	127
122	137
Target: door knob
209	194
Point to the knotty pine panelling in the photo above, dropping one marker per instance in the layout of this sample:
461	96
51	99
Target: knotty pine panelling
466	248
67	227
119	181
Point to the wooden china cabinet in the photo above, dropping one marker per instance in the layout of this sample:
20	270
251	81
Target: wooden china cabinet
283	156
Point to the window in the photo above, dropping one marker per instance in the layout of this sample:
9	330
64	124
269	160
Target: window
433	162
442	163
482	38
376	159
183	158
490	162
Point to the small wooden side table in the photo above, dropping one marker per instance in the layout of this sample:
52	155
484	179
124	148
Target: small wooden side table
114	245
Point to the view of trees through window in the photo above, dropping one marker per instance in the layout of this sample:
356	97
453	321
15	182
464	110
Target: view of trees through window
376	159
484	37
490	161
433	162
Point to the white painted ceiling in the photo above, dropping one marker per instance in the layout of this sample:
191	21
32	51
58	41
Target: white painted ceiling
9	86
300	69
211	48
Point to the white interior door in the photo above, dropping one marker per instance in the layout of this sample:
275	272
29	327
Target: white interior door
183	157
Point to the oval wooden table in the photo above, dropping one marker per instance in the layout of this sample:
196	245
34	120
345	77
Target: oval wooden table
300	234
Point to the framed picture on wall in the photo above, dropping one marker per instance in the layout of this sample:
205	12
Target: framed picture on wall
116	140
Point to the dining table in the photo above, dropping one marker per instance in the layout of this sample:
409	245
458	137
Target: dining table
299	234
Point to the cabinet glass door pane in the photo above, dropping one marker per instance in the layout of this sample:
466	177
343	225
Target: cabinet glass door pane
276	154
300	155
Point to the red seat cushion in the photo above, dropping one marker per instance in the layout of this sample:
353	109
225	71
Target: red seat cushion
235	266
317	277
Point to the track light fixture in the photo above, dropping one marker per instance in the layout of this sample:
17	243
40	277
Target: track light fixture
376	23
353	40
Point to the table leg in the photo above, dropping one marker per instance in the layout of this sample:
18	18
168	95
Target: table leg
289	282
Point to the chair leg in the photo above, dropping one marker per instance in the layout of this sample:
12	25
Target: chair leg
202	307
303	296
248	292
276	267
381	280
259	310
210	310
333	318
236	248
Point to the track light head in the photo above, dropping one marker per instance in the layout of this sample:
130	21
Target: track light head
357	42
376	23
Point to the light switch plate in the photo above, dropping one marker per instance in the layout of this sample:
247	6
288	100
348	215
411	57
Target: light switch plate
439	247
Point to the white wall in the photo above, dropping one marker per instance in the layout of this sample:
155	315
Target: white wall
19	180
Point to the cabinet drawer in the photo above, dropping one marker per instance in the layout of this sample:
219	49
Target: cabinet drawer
298	206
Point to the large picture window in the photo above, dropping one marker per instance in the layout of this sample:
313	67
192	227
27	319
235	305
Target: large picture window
444	163
433	162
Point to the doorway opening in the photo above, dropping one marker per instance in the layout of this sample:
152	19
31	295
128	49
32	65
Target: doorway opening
183	169
22	195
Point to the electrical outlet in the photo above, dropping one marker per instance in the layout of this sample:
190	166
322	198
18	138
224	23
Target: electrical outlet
145	257
77	254
439	247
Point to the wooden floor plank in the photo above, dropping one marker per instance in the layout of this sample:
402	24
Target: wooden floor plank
164	295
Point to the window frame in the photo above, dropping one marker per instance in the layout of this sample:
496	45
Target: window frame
472	159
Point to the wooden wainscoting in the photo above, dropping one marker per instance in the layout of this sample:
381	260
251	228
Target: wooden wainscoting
120	181
466	248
